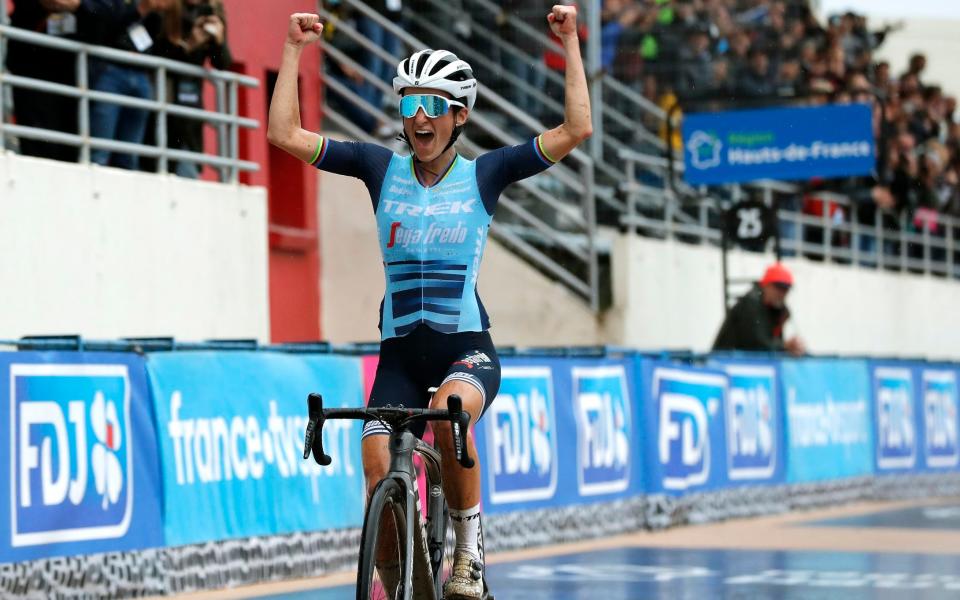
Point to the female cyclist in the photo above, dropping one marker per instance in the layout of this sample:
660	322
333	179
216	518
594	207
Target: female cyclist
433	209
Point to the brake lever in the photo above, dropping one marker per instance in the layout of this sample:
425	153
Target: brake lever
313	438
460	424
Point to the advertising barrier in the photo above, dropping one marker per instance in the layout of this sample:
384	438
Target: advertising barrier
117	452
684	427
754	422
779	143
231	429
828	419
561	432
82	473
941	419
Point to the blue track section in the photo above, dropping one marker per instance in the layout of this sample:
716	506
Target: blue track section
919	517
629	573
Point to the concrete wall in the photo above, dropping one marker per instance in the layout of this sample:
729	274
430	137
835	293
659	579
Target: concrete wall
668	295
108	253
525	307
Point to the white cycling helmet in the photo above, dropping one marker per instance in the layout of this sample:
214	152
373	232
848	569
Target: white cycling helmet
437	69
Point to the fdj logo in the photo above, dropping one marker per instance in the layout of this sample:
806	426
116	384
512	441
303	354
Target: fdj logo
687	402
604	429
940	418
751	422
71	448
896	429
521	429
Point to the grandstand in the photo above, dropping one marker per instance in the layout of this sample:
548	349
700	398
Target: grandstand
201	309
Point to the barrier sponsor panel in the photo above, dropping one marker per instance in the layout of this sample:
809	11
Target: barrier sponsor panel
560	432
521	429
231	429
684	427
82	475
941	418
896	428
778	143
754	422
828	419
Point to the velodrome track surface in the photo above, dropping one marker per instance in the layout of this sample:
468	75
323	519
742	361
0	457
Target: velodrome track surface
864	551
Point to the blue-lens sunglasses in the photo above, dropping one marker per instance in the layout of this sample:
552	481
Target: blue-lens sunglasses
433	106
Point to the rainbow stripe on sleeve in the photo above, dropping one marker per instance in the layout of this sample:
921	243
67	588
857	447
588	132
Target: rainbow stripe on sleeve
320	153
538	146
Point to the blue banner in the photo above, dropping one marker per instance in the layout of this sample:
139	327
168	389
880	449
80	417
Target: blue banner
560	432
782	143
754	422
83	473
897	430
231	441
828	417
941	418
684	429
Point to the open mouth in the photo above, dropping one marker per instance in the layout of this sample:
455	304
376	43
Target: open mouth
424	135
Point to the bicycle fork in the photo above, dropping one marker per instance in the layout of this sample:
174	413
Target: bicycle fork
425	544
436	525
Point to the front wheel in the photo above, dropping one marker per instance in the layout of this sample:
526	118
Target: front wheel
383	550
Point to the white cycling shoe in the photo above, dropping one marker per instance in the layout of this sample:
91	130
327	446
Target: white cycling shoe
466	581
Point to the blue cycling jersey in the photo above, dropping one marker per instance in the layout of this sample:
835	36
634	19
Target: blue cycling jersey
432	237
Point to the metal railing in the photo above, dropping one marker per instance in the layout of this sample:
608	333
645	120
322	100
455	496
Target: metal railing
550	221
623	109
889	241
226	118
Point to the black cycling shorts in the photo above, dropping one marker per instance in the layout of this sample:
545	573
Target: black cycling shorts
424	359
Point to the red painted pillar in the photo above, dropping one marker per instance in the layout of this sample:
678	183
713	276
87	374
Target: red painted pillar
256	33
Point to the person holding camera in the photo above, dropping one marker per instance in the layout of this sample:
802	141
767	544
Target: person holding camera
202	28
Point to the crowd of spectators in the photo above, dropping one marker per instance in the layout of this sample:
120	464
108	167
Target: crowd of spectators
735	53
191	31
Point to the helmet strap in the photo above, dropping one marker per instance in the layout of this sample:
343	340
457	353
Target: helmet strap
457	130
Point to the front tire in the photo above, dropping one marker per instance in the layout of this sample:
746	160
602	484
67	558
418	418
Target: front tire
384	534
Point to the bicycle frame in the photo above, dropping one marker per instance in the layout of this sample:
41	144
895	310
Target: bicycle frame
424	542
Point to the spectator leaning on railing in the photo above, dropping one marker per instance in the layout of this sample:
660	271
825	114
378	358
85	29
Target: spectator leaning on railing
202	36
40	109
131	26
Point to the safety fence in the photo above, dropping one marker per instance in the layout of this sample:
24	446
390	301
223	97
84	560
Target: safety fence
166	471
225	118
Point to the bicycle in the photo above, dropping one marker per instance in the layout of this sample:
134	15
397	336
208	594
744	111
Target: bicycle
420	545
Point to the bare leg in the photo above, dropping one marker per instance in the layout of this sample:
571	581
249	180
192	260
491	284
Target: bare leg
460	486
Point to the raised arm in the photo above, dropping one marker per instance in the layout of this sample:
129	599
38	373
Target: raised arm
284	130
577	125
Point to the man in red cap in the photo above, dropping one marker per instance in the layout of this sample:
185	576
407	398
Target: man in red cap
755	322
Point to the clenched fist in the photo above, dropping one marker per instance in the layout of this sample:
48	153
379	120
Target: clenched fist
304	29
563	20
